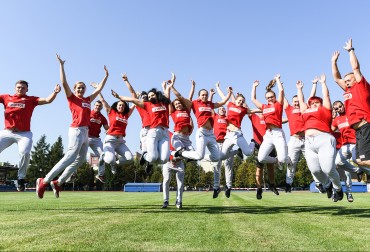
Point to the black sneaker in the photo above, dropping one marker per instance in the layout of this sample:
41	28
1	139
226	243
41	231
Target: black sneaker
216	192
329	190
240	154
338	195
288	188
359	175
227	192
21	185
259	193
349	197
148	168
179	152
165	204
274	190
320	188
142	159
179	205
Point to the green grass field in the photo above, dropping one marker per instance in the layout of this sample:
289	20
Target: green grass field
119	221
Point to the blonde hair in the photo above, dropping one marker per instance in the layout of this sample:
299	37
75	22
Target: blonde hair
77	83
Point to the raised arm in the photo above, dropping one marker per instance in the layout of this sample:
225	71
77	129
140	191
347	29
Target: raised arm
302	104
280	97
325	92
51	97
353	60
135	101
192	89
63	78
185	101
219	104
99	88
314	85
335	71
219	91
333	115
101	98
128	84
253	95
211	94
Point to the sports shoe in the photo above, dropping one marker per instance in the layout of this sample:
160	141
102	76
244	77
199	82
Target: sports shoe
165	204
359	175
349	197
148	168
113	169
338	195
252	145
320	188
227	192
179	205
274	190
100	178
21	185
240	153
329	191
289	162
142	159
259	193
178	153
40	187
56	188
288	188
216	192
280	166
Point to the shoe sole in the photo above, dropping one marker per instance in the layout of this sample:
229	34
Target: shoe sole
102	181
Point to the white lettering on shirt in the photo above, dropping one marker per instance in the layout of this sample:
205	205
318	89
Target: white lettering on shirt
85	105
262	122
201	109
223	121
268	110
182	115
296	111
121	119
16	105
343	125
93	120
235	110
347	96
156	109
310	110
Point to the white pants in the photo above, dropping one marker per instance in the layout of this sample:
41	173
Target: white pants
113	144
179	141
320	157
143	134
228	163
274	138
204	138
78	145
158	145
24	141
345	153
295	148
167	170
348	182
234	138
96	146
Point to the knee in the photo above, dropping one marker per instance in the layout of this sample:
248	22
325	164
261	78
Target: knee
109	158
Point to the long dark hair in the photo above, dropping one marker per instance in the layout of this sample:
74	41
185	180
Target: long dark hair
125	110
160	96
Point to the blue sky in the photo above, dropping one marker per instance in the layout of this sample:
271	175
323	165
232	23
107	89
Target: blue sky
234	42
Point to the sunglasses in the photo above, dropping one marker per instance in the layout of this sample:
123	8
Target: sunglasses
269	97
338	108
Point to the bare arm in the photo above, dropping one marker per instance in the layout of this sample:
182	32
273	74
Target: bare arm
101	98
51	97
135	101
325	92
211	94
192	89
314	85
253	95
185	101
63	78
302	104
99	88
353	60
280	98
219	104
128	84
335	71
219	91
132	108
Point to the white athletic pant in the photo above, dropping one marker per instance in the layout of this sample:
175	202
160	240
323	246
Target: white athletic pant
78	145
24	141
348	182
320	157
345	153
295	148
273	138
179	141
228	163
113	144
204	138
167	170
234	138
143	134
96	146
158	145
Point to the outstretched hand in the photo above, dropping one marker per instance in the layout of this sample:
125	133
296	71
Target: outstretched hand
106	71
348	45
94	84
114	94
315	80
124	77
57	88
60	60
322	79
299	84
256	83
335	56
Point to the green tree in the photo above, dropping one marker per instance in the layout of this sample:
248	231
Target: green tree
56	153
85	177
191	174
39	161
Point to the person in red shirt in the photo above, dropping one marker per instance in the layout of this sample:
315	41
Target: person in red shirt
356	101
18	109
320	143
78	134
272	112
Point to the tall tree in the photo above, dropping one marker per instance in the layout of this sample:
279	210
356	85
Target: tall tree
56	153
39	160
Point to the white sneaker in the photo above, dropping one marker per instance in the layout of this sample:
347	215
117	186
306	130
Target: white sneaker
280	166
114	170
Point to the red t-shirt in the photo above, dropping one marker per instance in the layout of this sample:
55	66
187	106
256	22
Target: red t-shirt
181	119
145	117
235	114
203	111
97	120
348	134
159	114
258	126
357	102
117	123
338	138
317	118
273	114
220	127
80	109
18	111
295	120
